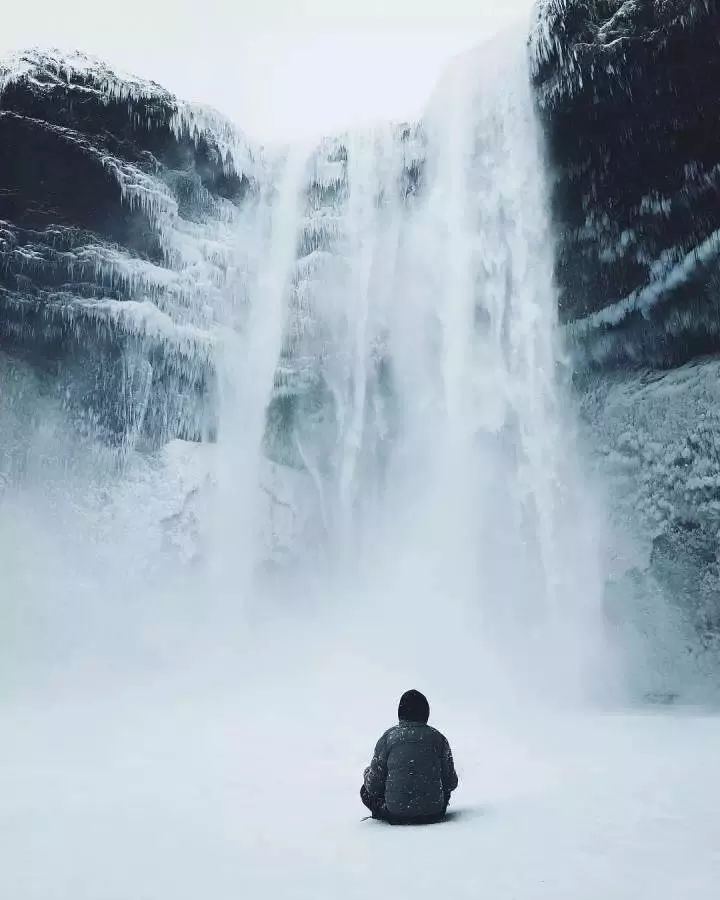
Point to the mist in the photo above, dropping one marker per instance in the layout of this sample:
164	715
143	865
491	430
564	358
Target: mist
390	487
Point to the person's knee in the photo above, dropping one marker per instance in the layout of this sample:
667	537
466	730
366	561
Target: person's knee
365	797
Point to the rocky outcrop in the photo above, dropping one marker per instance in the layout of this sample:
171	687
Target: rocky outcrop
114	202
629	91
629	95
656	436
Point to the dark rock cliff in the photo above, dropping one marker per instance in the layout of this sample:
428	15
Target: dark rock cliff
629	92
101	179
629	96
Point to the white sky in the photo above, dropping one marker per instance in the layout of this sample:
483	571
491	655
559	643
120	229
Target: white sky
279	68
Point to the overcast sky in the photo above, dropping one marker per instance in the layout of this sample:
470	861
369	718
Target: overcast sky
279	68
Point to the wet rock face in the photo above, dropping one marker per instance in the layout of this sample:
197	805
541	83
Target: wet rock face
629	96
50	177
656	434
629	92
90	108
104	182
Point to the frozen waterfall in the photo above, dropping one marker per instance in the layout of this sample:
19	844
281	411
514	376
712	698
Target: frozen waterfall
387	434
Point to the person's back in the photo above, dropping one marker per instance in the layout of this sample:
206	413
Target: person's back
412	774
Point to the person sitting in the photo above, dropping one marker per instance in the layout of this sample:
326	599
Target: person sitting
412	773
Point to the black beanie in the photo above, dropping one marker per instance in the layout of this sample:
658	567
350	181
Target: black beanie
414	707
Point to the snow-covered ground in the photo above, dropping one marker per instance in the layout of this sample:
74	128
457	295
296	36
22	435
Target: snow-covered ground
213	788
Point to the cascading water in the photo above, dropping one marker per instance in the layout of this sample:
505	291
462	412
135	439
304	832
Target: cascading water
418	384
253	322
387	404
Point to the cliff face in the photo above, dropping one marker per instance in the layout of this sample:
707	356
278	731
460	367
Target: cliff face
138	236
112	200
630	98
121	210
629	95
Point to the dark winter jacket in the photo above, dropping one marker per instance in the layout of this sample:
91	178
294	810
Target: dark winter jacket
412	774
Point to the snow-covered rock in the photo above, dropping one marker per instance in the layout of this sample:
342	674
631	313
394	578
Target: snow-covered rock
117	231
630	95
175	497
656	438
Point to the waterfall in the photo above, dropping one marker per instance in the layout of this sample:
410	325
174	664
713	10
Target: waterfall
391	433
248	354
420	378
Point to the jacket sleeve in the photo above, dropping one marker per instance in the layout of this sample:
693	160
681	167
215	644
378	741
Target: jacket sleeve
449	775
376	773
